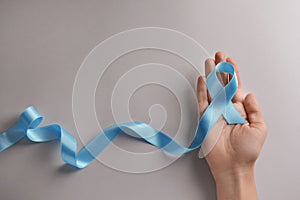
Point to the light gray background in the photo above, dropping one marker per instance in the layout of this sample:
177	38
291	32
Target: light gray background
43	43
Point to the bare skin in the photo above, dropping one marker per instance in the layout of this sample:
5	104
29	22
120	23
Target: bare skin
232	159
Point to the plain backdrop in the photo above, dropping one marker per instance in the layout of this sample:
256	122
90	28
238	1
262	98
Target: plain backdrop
43	43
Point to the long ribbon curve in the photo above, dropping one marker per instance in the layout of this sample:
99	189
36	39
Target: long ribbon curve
221	105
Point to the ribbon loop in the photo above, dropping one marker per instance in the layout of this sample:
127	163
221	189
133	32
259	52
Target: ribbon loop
218	91
30	118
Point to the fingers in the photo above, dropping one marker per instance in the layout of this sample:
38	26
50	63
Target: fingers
254	113
238	97
202	94
209	66
221	57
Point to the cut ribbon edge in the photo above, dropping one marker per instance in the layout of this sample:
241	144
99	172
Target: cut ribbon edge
221	105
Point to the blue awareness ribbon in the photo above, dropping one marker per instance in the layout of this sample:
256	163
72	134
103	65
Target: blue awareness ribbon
221	105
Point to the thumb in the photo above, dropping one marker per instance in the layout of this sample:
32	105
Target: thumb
254	114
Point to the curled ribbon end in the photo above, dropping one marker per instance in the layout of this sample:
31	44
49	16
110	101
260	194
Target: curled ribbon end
30	117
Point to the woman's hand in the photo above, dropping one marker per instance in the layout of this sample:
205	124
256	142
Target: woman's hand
232	158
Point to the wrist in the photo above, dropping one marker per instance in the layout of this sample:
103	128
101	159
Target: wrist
234	173
236	183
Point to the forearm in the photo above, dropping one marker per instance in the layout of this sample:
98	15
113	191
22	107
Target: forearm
236	185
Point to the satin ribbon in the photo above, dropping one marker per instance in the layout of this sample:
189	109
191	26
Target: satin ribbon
221	105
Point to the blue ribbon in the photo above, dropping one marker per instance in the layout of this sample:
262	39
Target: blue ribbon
221	104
